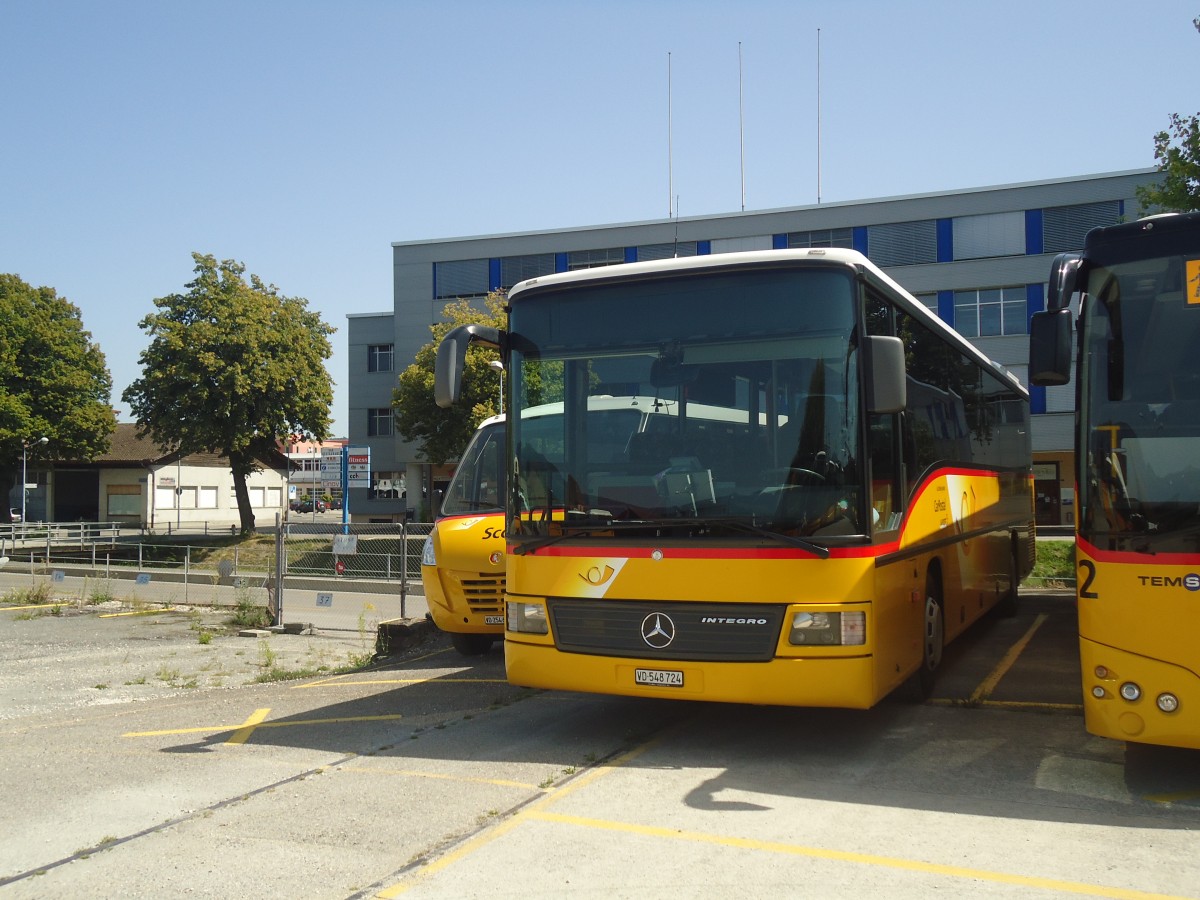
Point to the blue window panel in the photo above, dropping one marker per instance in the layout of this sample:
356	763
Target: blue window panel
630	254
779	242
1037	399
1034	242
945	240
494	278
860	239
945	309
703	248
562	262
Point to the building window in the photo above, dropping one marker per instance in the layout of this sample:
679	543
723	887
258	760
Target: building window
379	358
902	243
379	422
666	251
515	269
1063	227
460	278
828	237
741	244
991	311
592	259
994	234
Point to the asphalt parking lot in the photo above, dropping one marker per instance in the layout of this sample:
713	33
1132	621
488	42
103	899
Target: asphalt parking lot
142	762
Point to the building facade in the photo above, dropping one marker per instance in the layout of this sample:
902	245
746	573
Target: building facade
978	257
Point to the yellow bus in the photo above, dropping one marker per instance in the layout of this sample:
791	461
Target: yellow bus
462	564
1137	469
864	496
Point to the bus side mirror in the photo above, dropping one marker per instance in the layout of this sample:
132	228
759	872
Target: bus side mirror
887	386
1064	280
1050	347
452	359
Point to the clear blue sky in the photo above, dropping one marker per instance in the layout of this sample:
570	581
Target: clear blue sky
303	138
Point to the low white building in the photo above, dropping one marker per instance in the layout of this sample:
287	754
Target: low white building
140	484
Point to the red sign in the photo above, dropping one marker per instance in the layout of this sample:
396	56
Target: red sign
339	567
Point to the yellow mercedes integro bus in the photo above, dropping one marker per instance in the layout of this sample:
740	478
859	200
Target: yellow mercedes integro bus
864	497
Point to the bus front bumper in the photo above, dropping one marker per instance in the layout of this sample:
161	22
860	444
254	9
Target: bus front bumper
844	682
1110	674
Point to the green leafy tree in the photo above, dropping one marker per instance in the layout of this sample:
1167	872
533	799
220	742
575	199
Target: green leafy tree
442	434
232	368
1177	151
54	382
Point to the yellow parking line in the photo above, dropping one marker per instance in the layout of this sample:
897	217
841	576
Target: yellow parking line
240	736
433	679
288	723
35	606
502	828
538	811
989	684
890	862
137	612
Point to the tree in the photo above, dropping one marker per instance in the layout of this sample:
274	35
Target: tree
231	369
54	382
442	434
1178	154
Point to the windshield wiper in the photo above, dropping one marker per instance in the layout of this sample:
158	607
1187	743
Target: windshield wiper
745	527
818	550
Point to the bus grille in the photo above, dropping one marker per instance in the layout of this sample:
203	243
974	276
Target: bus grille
482	593
731	632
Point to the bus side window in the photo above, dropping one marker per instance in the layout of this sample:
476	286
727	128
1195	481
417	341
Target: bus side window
885	496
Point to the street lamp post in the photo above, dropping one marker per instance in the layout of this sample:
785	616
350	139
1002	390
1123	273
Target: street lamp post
25	445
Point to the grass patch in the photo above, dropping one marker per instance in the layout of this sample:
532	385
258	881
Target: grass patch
1055	562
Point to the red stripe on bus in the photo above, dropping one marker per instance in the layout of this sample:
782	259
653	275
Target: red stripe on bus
1136	558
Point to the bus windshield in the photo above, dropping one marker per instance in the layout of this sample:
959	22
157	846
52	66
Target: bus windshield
753	382
1140	393
478	485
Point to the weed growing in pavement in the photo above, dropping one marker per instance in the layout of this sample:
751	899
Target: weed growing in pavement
268	655
101	593
205	636
248	614
30	596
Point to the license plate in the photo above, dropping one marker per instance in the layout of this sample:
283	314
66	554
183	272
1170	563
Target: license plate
659	677
493	620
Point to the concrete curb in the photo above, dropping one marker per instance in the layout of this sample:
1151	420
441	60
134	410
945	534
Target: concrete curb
396	635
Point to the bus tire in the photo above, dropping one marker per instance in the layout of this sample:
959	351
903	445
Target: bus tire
471	644
1007	607
933	637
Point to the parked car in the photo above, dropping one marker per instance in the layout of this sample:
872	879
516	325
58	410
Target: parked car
15	515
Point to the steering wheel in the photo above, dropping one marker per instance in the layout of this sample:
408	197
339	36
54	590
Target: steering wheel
798	476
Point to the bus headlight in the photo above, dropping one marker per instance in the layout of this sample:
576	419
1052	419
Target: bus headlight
1168	703
428	556
529	618
1131	691
828	628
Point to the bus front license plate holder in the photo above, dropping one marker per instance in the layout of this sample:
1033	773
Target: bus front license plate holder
658	677
493	620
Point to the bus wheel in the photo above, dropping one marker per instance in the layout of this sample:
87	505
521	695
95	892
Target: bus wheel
933	634
471	644
1007	607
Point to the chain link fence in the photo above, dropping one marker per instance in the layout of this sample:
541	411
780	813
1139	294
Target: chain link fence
323	575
